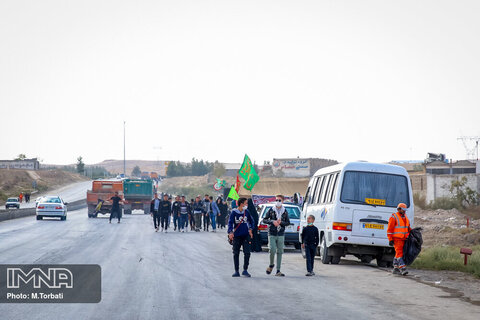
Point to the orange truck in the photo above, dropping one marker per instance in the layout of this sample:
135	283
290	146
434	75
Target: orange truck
102	191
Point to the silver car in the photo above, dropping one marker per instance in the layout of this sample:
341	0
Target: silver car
12	203
51	206
291	232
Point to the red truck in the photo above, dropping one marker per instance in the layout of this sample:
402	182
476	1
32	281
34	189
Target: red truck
102	191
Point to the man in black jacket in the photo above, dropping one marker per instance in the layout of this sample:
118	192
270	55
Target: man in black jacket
175	214
277	218
154	208
183	213
310	240
165	211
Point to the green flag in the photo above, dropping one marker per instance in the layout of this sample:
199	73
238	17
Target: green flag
233	194
246	168
252	180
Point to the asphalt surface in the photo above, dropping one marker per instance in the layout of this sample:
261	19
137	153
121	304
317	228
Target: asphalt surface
148	275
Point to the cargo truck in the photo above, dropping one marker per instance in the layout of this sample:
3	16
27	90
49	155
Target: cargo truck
102	190
138	194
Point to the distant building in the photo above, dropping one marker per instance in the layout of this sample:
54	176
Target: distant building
26	164
458	167
231	169
299	167
439	176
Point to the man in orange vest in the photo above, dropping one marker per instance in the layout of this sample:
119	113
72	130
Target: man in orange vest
397	232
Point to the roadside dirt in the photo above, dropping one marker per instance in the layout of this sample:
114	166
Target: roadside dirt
447	227
455	284
13	181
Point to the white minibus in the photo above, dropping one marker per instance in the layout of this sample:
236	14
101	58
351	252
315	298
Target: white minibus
352	203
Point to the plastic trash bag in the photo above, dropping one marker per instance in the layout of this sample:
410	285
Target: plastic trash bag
412	246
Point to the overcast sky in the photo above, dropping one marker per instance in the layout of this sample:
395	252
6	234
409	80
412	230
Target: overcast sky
346	80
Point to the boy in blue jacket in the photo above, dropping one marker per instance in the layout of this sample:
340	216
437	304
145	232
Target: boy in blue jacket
240	226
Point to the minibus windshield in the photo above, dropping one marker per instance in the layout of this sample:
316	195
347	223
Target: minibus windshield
371	188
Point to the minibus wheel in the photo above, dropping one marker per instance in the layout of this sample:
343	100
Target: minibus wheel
326	259
335	259
380	262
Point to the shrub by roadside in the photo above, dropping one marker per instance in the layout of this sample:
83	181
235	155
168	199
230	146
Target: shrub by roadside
448	258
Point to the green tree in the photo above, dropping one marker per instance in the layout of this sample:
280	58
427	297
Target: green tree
21	156
218	169
80	165
136	172
462	193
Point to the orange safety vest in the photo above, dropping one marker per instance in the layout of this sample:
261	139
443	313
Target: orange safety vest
398	227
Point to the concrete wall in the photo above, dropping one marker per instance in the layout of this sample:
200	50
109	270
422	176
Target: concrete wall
438	185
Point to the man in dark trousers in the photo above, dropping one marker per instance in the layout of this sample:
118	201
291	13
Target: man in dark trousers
207	208
165	211
116	210
154	212
256	243
183	213
310	240
175	214
240	226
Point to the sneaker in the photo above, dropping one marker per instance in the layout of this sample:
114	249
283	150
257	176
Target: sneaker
162	230
313	273
166	230
269	269
309	274
236	274
118	222
109	221
396	271
404	272
156	229
279	274
246	274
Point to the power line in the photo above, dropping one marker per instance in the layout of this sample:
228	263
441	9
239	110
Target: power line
472	152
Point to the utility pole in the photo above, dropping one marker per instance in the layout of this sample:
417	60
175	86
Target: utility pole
124	162
471	152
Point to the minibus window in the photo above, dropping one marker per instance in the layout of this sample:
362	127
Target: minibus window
307	198
315	186
333	189
321	182
326	188
385	188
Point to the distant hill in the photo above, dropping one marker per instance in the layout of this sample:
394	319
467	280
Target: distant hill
116	166
14	181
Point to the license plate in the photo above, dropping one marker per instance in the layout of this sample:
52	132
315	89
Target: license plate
376	202
289	228
373	226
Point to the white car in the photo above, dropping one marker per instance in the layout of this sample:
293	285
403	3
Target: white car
38	200
12	203
51	206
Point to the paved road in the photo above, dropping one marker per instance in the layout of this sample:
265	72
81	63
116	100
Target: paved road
148	275
69	193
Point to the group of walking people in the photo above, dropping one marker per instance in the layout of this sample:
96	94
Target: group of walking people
241	231
196	215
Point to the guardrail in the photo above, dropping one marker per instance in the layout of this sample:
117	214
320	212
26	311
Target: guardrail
20	213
